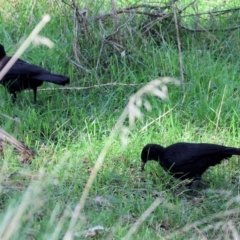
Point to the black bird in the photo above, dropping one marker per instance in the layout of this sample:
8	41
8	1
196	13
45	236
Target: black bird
187	160
23	75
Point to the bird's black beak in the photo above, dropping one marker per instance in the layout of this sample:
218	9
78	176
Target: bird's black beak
142	167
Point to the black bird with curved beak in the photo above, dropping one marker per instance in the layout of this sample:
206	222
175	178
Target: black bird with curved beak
187	160
23	75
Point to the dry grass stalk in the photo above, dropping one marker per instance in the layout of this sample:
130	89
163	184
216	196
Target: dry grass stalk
132	111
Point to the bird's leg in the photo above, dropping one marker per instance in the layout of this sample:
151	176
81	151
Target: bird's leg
35	94
142	166
195	183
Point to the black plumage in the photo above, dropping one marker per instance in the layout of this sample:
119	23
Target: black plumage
187	160
23	75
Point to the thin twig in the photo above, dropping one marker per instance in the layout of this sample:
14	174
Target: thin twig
78	64
166	113
220	109
57	129
209	30
179	47
220	12
210	219
93	86
142	218
132	10
203	237
15	119
145	215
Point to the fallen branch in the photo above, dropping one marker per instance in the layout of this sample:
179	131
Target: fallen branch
19	146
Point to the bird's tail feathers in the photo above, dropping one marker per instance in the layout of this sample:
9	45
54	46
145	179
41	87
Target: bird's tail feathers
53	78
234	151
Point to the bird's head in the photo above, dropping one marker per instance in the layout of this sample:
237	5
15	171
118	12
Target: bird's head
151	152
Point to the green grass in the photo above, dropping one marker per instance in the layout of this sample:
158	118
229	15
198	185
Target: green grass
69	128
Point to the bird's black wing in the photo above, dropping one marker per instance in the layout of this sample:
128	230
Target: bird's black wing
182	153
21	67
31	71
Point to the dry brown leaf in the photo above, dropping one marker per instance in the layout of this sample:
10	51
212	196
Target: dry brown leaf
91	232
102	201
